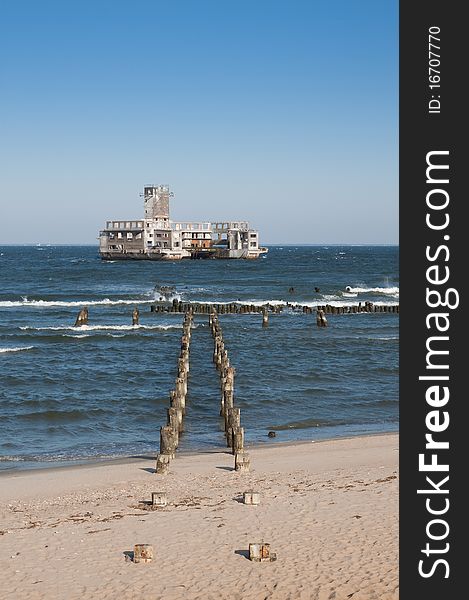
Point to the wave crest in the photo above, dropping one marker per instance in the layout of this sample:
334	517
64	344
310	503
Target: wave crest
393	291
101	328
16	349
63	303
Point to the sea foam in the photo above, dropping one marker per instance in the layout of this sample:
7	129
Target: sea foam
394	291
71	303
101	328
16	349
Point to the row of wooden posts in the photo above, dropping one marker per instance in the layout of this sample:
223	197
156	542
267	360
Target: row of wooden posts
236	308
169	433
257	552
321	311
228	411
207	308
82	317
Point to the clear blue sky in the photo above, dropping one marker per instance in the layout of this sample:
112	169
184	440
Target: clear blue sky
284	113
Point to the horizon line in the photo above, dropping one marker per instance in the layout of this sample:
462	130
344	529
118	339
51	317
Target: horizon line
274	244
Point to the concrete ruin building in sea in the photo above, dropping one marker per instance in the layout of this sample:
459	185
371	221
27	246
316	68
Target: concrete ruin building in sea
156	237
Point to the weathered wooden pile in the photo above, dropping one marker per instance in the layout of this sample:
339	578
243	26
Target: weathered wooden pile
228	411
321	320
169	433
82	317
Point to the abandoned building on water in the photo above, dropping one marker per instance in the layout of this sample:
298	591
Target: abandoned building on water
156	237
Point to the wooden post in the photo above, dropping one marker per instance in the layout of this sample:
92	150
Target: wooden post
175	437
181	365
143	553
162	463
178	404
158	499
261	553
181	386
218	349
178	401
135	316
175	418
182	375
233	417
82	317
253	498
324	320
227	379
168	443
229	376
185	342
225	361
321	320
242	462
185	358
238	440
232	424
318	317
227	400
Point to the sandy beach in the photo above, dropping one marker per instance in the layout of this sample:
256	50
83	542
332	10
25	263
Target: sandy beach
329	510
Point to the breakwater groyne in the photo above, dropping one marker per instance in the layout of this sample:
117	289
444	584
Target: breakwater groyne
177	306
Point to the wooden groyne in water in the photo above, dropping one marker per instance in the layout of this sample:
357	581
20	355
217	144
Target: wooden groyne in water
169	433
177	306
230	414
228	411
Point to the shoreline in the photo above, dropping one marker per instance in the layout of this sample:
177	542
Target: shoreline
130	459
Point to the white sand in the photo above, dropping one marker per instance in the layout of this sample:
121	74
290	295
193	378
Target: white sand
328	509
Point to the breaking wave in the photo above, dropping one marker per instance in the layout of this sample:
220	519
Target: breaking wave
17	349
47	303
102	328
393	291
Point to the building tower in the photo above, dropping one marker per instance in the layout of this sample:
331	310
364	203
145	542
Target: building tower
156	203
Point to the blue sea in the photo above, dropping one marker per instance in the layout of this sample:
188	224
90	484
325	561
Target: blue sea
69	395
